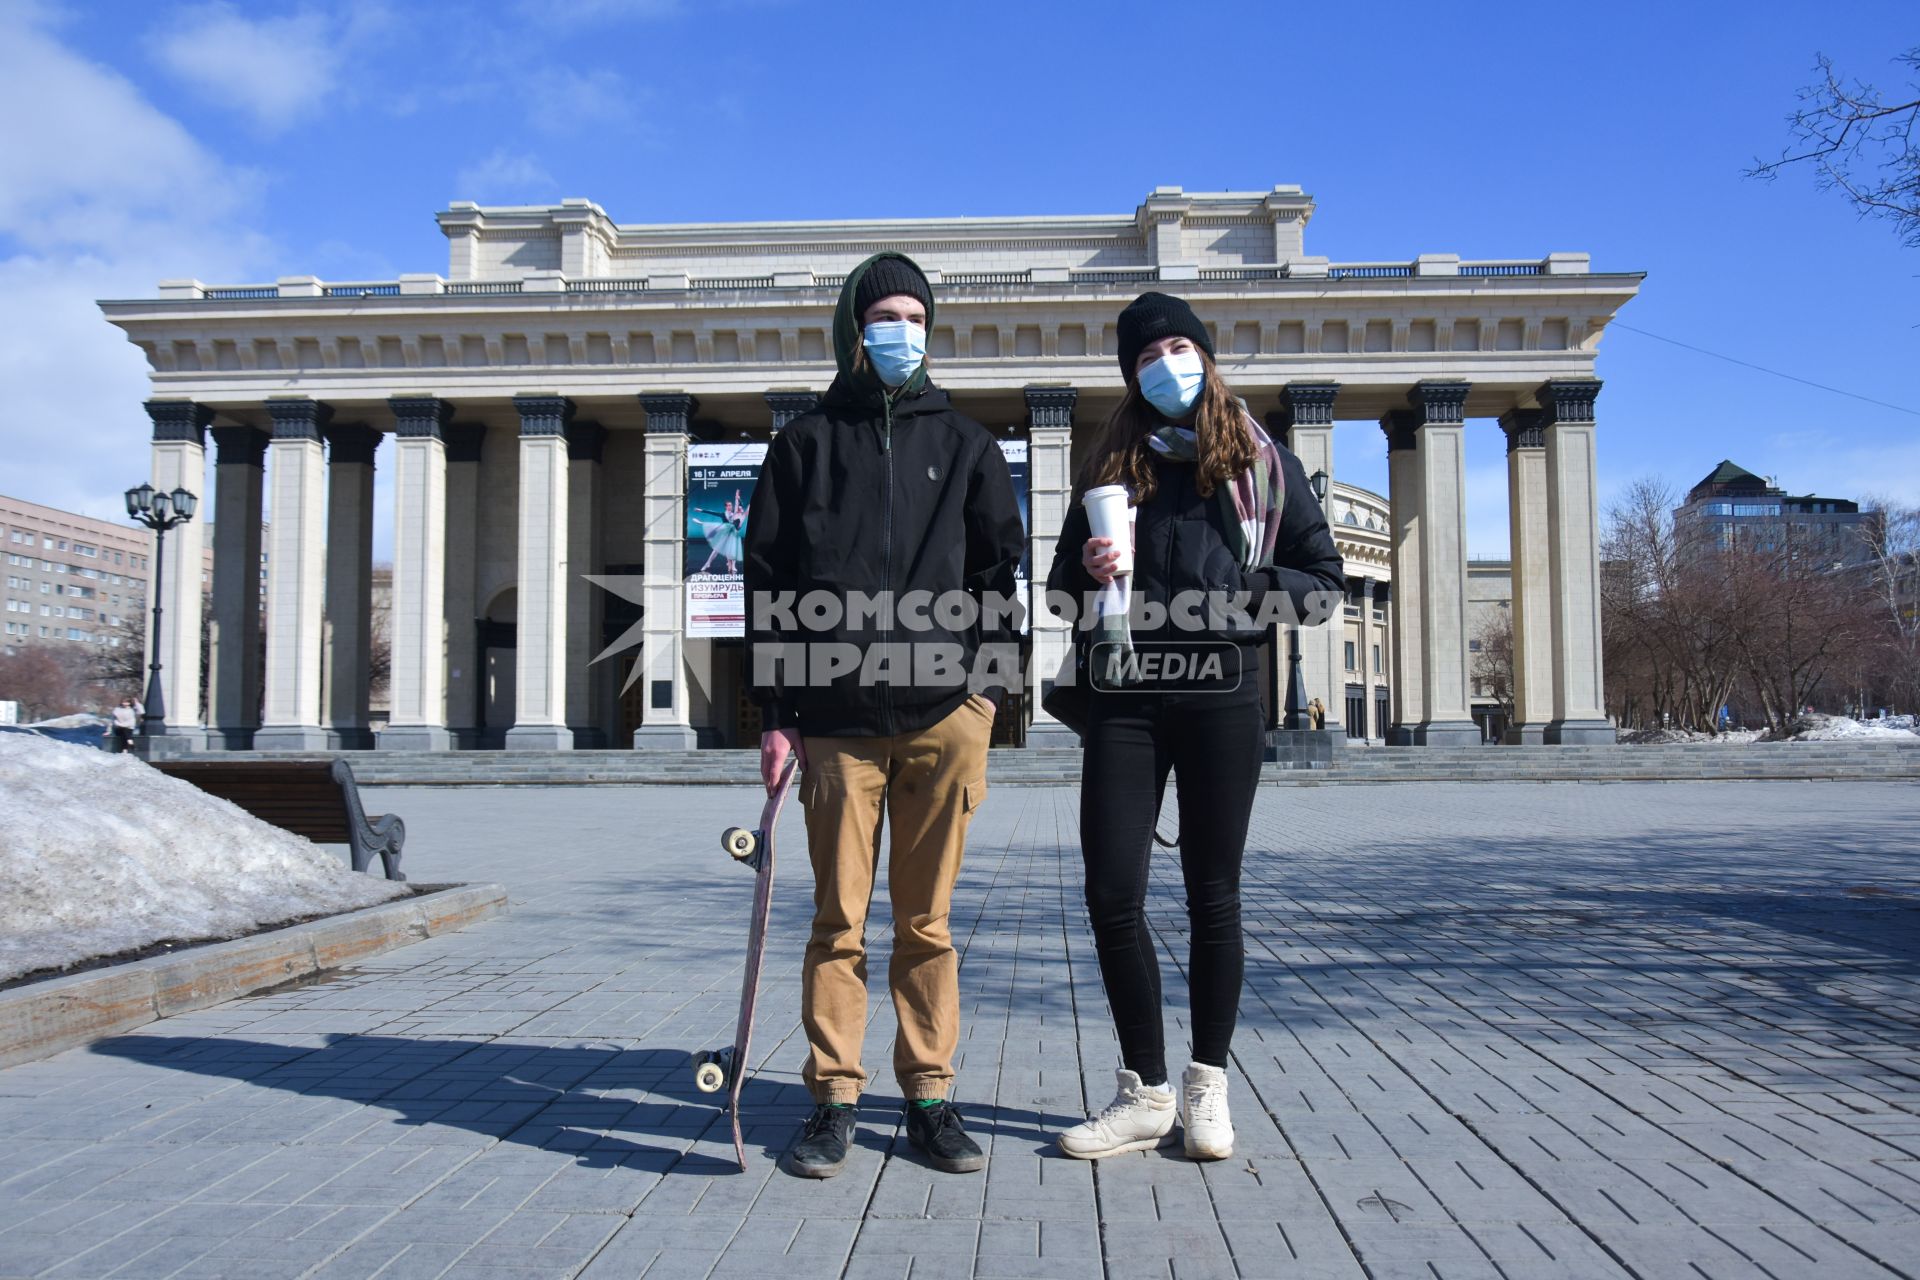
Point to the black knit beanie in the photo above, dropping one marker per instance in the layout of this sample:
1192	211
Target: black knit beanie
884	279
1153	316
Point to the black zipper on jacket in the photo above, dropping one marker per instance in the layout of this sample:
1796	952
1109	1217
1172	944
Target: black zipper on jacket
886	537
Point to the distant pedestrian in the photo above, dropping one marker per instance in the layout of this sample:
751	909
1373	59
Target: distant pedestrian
1317	711
124	722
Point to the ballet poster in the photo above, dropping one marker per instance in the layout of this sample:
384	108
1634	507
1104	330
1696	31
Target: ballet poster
719	490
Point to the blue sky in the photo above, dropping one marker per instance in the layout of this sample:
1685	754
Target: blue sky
237	143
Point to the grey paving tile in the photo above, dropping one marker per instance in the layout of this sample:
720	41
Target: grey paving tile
1521	1029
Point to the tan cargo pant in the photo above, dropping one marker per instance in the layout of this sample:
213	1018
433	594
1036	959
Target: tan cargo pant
928	784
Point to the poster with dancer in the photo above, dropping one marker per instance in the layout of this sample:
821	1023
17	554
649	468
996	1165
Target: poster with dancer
720	480
1015	452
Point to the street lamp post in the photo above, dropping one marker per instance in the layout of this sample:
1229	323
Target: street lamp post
1296	716
159	512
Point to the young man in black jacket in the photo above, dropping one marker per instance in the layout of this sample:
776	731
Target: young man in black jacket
882	629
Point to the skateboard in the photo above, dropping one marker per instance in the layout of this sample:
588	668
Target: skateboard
717	1069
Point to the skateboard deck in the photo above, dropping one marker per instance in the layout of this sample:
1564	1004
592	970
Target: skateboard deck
718	1069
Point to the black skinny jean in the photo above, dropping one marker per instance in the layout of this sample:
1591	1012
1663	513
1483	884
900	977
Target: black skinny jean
1213	744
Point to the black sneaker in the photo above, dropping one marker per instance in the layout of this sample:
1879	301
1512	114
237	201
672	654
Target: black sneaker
821	1149
937	1131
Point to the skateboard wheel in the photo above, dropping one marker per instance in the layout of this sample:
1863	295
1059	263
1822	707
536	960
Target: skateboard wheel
740	843
709	1077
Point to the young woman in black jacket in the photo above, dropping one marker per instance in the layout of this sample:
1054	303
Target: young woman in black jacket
1223	519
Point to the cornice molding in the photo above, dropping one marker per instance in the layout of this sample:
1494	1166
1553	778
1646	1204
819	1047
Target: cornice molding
179	421
1050	407
668	412
420	416
351	443
299	418
543	415
1569	400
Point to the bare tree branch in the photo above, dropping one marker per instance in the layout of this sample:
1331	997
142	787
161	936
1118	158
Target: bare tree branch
1858	143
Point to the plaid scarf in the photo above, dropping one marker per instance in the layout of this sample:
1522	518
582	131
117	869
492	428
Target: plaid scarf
1250	507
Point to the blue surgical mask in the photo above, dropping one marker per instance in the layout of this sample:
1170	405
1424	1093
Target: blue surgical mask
896	348
1172	383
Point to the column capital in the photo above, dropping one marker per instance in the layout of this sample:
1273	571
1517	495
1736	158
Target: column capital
464	441
299	418
1568	399
1398	425
1367	588
585	441
668	412
788	405
239	446
544	415
179	421
1438	403
351	442
1525	428
1307	404
416	416
1051	406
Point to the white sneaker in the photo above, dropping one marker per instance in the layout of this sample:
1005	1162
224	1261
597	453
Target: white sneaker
1139	1117
1204	1120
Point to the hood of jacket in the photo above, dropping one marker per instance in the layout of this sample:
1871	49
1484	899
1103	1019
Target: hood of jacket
864	388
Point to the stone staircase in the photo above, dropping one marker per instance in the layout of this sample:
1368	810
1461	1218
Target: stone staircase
1786	761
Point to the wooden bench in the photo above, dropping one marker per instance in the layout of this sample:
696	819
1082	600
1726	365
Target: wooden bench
317	799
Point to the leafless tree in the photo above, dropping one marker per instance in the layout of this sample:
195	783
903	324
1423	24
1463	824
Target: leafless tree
1859	142
1493	660
1891	532
47	680
1668	620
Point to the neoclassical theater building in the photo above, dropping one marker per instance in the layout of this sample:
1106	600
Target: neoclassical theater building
537	402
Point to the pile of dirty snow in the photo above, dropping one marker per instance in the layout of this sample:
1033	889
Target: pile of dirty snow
79	720
100	854
1667	737
1819	728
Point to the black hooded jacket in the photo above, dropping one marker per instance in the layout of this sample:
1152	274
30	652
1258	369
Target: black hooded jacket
878	492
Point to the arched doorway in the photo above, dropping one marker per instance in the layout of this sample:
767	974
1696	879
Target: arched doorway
498	642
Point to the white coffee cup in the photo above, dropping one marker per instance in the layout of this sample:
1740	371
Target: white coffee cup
1110	515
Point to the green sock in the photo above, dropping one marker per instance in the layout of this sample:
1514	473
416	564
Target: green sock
841	1106
928	1102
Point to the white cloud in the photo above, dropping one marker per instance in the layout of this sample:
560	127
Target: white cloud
100	198
279	70
505	177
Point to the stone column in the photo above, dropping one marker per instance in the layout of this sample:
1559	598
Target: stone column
1446	717
347	646
1532	605
585	601
1306	412
788	405
233	693
667	722
1573	521
296	577
540	672
1403	560
417	716
1369	677
179	461
1050	489
464	676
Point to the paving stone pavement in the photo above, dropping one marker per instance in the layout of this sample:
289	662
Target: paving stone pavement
1514	1030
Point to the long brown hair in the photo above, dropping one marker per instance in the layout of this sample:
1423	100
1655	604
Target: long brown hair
1225	445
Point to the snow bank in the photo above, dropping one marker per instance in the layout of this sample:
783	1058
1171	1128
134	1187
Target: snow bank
79	720
1664	737
100	854
1821	728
